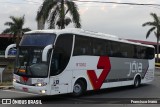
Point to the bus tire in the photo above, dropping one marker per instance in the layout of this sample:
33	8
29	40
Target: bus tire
137	81
79	88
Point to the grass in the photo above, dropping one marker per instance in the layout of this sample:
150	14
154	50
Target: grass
7	83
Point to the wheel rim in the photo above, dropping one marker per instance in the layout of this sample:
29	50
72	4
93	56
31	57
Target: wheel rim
77	88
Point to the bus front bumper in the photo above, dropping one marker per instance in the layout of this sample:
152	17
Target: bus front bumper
31	89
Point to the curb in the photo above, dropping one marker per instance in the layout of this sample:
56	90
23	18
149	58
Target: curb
6	87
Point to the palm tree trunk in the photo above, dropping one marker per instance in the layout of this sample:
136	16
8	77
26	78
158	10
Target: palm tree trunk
17	40
157	49
40	24
62	14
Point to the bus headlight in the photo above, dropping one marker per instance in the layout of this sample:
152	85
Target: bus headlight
40	84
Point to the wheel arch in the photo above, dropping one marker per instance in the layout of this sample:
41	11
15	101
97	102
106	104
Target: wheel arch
137	75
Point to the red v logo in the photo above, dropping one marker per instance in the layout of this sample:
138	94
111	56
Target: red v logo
103	63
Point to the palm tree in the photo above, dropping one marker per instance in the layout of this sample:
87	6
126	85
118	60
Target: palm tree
155	27
67	21
55	11
16	28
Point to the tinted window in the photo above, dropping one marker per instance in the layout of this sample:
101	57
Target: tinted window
141	52
144	52
118	49
98	47
82	46
127	50
115	49
61	54
150	53
40	39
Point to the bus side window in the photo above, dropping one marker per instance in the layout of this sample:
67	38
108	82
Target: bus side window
150	53
141	52
98	47
82	46
61	54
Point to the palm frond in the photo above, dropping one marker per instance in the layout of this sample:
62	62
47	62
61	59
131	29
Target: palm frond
7	31
26	29
149	31
155	17
45	9
9	24
15	26
21	20
52	18
73	10
67	21
14	19
149	24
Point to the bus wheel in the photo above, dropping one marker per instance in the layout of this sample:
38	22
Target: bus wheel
78	88
137	81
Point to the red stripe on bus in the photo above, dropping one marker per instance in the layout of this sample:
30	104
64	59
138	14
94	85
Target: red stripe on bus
103	63
25	79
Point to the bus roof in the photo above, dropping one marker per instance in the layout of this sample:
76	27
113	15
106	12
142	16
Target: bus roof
88	34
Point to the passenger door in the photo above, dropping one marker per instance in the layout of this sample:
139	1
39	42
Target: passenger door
60	75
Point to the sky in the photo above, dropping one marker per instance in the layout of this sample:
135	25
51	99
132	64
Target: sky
124	21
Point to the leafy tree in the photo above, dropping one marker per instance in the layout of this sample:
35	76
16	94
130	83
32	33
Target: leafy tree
55	11
16	27
155	27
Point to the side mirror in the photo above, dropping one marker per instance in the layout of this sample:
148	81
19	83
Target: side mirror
8	48
45	51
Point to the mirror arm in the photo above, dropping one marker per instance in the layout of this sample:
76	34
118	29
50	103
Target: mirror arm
8	48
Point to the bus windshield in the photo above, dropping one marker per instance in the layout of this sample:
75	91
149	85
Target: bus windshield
29	55
38	39
29	63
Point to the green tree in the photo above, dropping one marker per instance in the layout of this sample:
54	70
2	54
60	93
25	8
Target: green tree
55	11
16	28
155	27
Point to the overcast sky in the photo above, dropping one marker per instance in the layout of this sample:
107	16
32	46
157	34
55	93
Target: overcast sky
124	21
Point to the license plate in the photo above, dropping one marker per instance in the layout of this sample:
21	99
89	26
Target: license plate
25	89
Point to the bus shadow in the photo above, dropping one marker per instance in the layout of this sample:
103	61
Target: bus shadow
114	90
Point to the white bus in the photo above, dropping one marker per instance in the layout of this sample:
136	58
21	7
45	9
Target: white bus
54	62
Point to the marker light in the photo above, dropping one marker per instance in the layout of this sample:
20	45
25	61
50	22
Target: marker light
22	70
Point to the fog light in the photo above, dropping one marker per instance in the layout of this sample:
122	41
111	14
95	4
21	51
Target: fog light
43	91
14	80
39	84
